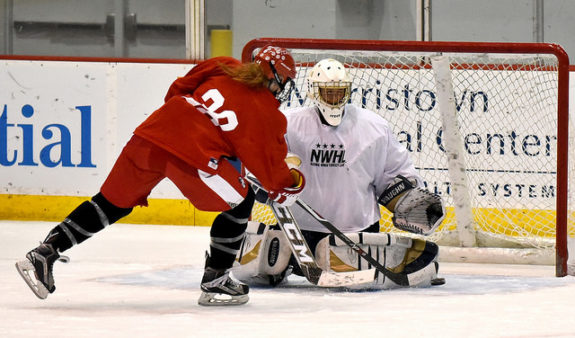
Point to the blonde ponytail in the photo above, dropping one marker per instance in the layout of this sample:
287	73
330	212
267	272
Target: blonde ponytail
249	73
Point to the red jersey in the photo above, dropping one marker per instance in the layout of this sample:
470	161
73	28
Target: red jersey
207	116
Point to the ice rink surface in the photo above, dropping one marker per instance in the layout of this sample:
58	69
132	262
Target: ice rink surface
143	281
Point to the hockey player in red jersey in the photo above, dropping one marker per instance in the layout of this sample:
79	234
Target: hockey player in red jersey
221	116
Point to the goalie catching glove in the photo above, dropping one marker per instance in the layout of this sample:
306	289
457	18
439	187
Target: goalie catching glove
415	209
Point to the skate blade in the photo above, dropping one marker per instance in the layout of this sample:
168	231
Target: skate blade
218	299
26	270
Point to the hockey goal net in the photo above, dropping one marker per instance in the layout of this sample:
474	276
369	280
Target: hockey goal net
487	127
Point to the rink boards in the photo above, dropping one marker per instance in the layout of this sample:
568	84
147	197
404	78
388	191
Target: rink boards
63	124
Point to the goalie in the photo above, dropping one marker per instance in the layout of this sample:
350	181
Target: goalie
353	164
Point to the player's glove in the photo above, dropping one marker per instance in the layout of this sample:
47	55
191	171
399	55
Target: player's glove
287	196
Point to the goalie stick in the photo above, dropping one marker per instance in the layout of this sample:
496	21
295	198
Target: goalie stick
303	255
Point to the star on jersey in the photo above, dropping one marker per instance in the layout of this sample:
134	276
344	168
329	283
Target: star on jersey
328	155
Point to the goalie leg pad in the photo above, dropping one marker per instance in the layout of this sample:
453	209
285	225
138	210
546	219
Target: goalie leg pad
263	257
415	257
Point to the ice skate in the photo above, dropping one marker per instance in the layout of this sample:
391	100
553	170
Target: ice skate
37	269
219	288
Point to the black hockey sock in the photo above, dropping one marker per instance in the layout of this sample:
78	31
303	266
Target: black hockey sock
227	233
87	219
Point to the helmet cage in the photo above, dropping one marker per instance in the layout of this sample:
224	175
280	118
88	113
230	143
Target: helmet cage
333	94
286	86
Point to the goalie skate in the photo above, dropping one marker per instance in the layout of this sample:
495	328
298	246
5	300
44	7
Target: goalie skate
219	288
36	270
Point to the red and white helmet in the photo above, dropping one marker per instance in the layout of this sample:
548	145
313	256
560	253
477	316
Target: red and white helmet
278	65
329	86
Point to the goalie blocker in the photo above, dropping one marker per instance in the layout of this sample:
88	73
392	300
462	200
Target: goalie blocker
265	255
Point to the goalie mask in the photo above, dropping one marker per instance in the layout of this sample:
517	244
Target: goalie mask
278	66
329	87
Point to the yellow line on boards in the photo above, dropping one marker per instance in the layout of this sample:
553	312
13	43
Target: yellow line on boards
56	208
510	222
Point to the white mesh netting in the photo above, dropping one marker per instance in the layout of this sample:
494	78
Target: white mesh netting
507	115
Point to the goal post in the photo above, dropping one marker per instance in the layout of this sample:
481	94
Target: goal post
487	126
454	150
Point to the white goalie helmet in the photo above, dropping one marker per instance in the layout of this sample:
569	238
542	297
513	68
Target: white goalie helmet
329	87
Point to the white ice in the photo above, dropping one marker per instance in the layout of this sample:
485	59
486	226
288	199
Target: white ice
143	281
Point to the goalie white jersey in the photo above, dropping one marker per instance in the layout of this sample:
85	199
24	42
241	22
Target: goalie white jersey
346	167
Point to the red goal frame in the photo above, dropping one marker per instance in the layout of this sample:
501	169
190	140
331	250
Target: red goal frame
471	47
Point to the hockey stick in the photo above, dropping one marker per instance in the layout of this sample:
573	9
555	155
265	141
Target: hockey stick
303	255
397	278
306	260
